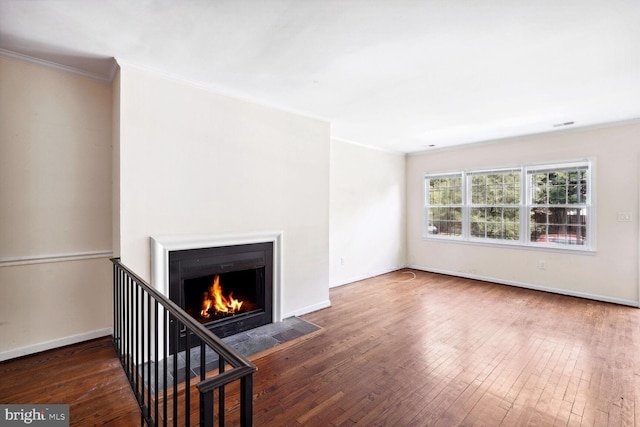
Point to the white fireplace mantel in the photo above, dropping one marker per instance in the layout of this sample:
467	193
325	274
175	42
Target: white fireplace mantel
162	245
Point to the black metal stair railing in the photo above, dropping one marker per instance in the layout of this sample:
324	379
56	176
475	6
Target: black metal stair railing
144	321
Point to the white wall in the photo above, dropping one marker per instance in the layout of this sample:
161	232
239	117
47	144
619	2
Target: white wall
192	161
367	212
55	208
610	273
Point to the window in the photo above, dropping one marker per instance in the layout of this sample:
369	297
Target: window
539	205
495	205
558	205
444	205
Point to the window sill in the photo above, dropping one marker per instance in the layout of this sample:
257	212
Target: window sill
513	245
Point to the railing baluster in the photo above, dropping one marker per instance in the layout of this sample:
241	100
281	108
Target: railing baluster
127	349
176	330
148	362
119	310
156	313
136	338
114	270
123	311
187	378
221	397
165	345
141	359
130	331
203	361
203	376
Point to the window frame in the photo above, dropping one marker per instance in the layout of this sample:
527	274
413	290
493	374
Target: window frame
587	205
471	205
426	192
524	205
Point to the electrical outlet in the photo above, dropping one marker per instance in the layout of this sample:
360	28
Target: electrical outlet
542	265
624	216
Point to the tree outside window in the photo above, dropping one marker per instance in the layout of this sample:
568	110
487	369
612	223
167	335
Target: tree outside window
559	206
495	205
444	201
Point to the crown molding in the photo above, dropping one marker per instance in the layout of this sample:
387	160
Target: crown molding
370	147
53	65
545	133
114	70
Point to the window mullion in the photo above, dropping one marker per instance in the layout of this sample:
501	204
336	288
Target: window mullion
466	201
525	201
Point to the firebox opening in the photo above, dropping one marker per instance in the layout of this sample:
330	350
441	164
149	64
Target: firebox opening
220	296
244	274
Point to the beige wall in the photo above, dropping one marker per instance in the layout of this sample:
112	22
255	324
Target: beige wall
55	209
192	161
609	273
367	212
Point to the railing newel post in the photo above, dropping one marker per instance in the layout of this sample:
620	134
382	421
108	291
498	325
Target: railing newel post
246	400
206	409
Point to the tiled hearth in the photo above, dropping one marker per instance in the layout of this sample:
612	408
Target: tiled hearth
247	343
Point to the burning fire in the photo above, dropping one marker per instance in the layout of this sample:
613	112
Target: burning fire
220	304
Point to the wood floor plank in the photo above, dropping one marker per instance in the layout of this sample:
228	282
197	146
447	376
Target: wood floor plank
408	348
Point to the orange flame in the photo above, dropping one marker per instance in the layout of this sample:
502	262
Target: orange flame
214	298
206	305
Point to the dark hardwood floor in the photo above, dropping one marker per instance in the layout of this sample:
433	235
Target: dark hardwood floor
88	377
404	349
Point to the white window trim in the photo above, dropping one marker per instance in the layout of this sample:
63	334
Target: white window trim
589	164
524	206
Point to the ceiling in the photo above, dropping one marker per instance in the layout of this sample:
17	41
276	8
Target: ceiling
401	75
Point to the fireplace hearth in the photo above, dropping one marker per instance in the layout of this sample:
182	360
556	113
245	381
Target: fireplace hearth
229	289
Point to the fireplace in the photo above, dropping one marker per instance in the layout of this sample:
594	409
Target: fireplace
229	289
168	246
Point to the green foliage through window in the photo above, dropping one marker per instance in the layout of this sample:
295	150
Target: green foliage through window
445	205
558	206
495	205
541	205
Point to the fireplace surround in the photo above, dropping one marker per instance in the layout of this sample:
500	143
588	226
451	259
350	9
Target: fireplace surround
247	254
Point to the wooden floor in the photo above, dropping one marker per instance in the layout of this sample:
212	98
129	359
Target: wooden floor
88	377
404	349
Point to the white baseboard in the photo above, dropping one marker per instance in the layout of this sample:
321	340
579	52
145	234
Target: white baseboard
367	276
308	309
50	345
531	286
